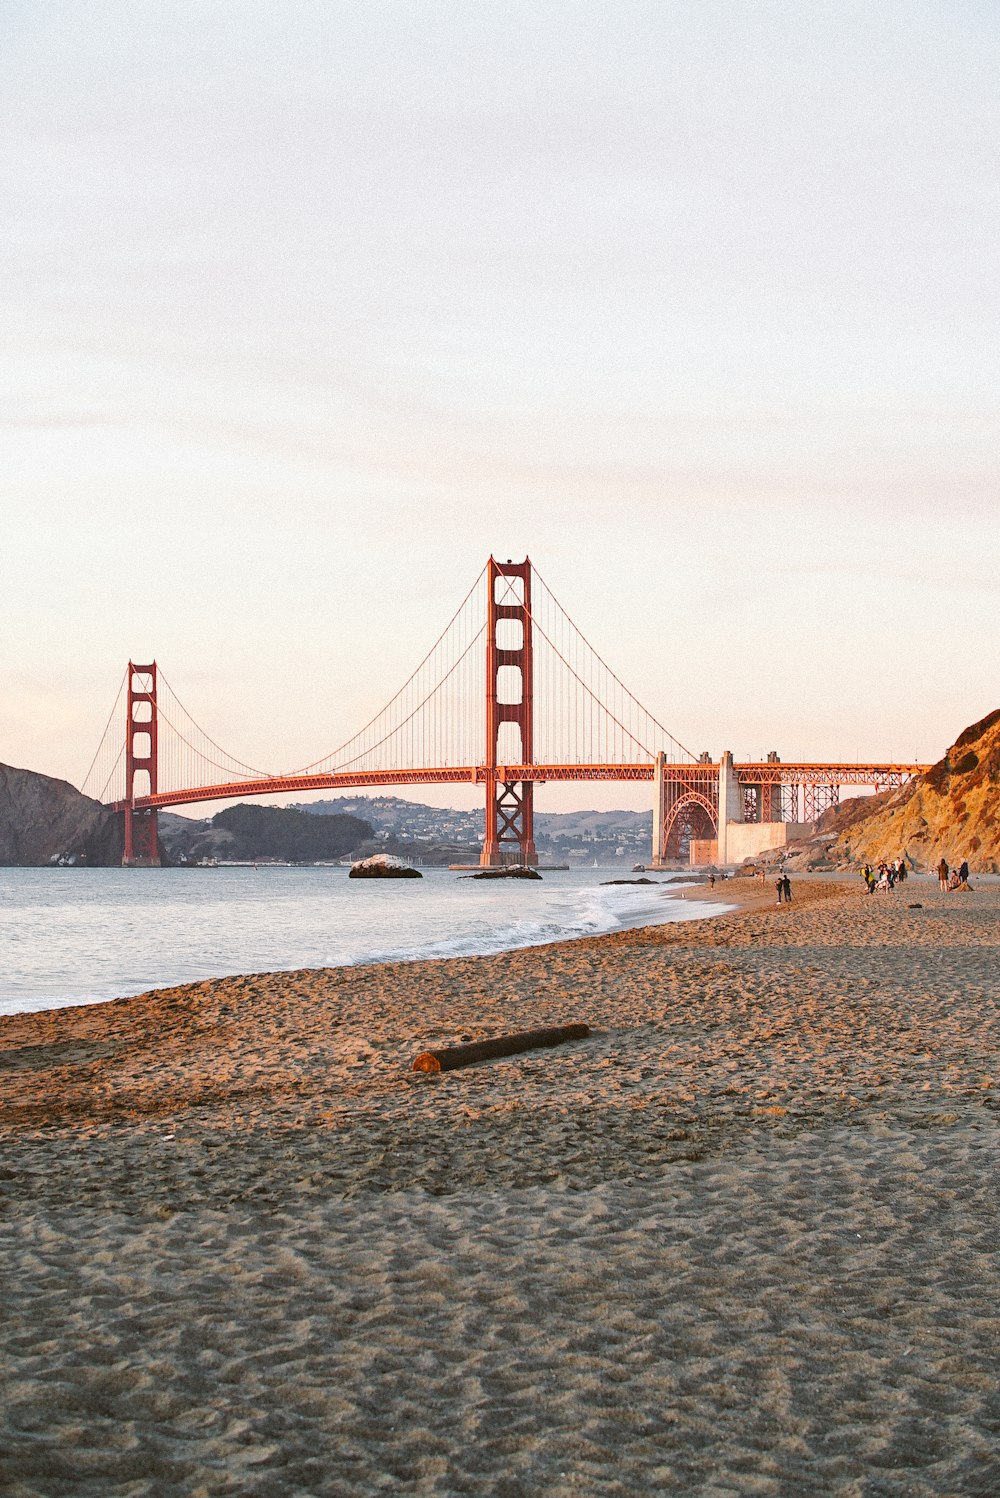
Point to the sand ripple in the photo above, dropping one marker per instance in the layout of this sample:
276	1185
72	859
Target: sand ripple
743	1241
817	1317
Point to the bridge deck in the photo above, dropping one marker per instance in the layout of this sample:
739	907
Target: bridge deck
767	773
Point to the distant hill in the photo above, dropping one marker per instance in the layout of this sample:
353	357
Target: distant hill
609	824
43	819
280	832
952	811
446	834
402	818
246	832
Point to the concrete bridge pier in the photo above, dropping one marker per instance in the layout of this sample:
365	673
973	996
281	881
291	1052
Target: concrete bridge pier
730	806
719	811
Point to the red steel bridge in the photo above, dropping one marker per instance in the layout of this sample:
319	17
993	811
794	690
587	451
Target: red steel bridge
509	696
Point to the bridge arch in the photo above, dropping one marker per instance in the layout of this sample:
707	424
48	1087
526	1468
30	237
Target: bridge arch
693	815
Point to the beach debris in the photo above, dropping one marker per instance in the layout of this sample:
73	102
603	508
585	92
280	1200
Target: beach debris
499	1045
914	905
383	866
513	871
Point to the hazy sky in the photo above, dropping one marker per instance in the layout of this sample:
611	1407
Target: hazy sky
307	307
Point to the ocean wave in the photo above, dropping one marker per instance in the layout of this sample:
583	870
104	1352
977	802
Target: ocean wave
568	915
98	937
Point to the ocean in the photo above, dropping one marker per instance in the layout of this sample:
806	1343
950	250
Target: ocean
78	936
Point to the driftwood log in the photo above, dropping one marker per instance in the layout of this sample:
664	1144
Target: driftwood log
500	1045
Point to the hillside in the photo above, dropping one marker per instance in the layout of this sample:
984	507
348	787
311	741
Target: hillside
245	833
279	832
43	819
447	835
953	811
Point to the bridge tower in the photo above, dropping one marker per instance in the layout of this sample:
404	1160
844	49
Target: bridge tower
510	832
142	849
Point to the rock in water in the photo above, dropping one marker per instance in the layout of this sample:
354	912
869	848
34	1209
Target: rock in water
383	866
515	871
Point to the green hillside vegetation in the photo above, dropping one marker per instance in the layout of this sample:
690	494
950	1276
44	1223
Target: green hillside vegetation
281	832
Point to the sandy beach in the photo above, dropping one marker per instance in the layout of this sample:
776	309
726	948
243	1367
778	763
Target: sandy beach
743	1239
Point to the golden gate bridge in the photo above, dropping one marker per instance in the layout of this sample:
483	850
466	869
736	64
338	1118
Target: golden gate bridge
511	695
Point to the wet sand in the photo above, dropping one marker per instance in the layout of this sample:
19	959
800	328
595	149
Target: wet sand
744	1239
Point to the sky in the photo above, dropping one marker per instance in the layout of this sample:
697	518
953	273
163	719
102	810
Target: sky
308	308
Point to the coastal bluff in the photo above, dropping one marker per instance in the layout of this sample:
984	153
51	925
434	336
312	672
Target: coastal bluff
43	819
952	811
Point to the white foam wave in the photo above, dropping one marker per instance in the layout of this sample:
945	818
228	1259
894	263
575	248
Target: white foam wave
99	934
567	915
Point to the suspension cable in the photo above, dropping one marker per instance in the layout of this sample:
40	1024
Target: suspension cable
100	744
576	675
652	718
233	760
112	773
392	700
207	758
412	714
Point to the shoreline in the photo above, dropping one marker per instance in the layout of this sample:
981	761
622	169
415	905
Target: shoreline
741	895
743	1237
489	946
200	1031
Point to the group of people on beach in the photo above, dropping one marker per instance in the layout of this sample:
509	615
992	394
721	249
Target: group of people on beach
885	877
955	878
783	885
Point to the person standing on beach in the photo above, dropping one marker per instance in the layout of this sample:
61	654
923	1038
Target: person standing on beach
788	889
943	875
779	885
963	873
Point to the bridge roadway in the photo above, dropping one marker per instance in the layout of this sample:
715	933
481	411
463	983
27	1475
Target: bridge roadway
882	776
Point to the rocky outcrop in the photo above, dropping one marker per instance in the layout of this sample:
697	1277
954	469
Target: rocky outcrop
43	820
383	866
952	811
513	871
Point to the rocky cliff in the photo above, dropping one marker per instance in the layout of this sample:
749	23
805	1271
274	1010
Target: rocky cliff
42	819
953	811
